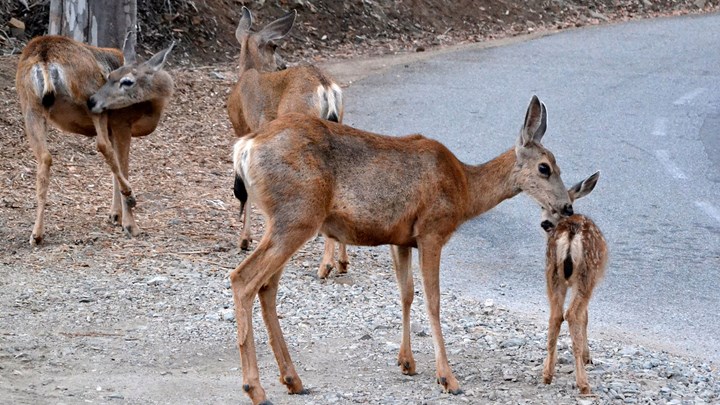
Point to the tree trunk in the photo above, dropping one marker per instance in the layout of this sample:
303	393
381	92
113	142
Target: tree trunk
96	22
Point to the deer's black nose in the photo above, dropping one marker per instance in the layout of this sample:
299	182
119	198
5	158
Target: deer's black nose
546	225
567	210
91	103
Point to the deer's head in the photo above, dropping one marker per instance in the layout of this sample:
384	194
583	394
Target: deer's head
133	82
579	190
258	49
536	171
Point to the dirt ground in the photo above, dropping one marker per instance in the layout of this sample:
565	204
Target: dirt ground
92	316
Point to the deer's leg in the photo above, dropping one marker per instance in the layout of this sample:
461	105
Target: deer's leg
328	261
430	268
586	353
115	216
105	147
576	320
256	272
556	297
268	298
246	236
403	271
121	139
36	131
343	261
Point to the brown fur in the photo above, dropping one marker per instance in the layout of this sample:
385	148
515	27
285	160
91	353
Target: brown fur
263	93
56	77
309	175
577	240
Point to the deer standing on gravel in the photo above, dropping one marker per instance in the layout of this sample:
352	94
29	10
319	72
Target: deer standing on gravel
90	91
576	257
267	90
309	175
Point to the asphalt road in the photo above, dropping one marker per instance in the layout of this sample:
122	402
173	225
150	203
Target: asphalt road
639	101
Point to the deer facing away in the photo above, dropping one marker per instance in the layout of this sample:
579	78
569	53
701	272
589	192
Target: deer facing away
267	90
309	175
576	257
90	91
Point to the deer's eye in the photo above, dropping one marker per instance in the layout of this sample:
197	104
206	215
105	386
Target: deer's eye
544	169
126	82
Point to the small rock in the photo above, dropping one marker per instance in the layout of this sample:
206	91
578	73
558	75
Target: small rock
157	280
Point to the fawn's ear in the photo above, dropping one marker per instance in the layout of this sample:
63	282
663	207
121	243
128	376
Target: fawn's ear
158	60
243	28
278	28
535	123
129	56
584	187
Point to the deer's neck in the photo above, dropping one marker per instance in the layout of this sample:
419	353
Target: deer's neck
491	183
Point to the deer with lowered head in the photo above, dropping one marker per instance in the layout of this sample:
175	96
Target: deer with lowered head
266	90
86	90
309	175
576	257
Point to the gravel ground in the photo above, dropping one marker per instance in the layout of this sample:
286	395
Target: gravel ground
159	328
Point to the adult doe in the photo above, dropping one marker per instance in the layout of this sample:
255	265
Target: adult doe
90	91
576	257
266	90
309	175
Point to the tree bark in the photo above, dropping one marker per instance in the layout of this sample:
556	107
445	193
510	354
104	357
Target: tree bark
96	22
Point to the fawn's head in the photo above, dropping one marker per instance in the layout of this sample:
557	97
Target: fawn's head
536	171
258	49
133	82
579	190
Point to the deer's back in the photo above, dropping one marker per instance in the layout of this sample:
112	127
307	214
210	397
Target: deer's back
368	189
576	252
260	97
75	71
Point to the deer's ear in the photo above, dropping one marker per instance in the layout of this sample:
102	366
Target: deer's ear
158	60
129	56
584	187
535	123
243	28
279	28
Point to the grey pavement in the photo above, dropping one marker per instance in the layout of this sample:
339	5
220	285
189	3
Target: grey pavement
639	101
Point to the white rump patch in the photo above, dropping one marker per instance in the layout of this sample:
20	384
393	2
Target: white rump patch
241	159
38	81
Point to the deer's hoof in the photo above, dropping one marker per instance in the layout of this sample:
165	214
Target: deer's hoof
547	378
585	390
450	386
130	201
325	270
36	240
245	244
343	266
294	385
132	230
115	219
407	366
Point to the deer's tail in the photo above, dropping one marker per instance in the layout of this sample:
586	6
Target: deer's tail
331	102
42	78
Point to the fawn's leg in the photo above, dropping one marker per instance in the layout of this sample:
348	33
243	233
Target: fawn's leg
556	297
575	317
